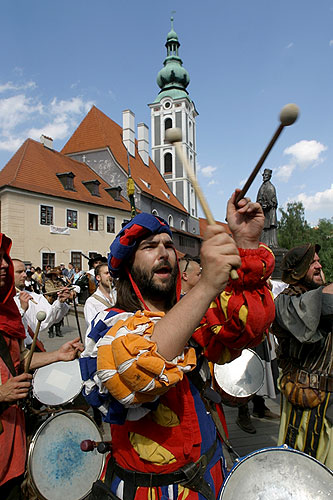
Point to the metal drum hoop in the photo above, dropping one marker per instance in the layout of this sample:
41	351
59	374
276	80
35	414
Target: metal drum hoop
53	366
232	399
225	493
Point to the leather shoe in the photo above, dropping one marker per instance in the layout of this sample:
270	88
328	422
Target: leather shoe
270	415
59	334
244	422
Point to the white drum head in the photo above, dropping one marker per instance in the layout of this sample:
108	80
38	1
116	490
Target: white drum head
278	474
58	468
243	377
57	383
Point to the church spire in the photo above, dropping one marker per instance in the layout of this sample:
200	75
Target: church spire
173	77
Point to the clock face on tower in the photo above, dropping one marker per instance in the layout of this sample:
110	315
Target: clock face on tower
167	105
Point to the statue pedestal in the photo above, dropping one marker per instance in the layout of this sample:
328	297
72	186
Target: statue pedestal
279	254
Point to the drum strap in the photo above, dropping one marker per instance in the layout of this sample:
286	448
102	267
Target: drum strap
5	355
100	299
190	476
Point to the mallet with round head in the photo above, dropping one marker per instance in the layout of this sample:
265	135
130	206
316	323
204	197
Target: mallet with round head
40	316
288	116
174	136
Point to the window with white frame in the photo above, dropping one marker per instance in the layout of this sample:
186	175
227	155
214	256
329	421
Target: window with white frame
48	259
71	219
92	222
110	224
76	259
46	215
168	163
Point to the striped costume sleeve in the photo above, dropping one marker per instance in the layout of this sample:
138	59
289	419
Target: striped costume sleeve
129	365
241	315
93	390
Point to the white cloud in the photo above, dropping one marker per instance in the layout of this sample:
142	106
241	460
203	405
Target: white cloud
23	116
5	87
212	182
11	143
241	183
291	44
207	171
16	110
322	200
73	106
331	43
306	152
283	173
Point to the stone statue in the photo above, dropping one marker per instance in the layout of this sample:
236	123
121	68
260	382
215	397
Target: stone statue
267	199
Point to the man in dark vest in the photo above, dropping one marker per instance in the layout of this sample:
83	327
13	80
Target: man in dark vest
304	327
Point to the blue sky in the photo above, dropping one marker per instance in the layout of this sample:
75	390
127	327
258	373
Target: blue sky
246	60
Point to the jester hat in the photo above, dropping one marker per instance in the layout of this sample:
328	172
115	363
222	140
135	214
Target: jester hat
125	243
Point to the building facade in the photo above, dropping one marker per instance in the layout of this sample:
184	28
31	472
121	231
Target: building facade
57	210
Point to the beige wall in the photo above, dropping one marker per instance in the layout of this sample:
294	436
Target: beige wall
20	220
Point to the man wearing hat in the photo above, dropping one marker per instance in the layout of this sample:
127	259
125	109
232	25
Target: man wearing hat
54	281
304	328
146	370
267	198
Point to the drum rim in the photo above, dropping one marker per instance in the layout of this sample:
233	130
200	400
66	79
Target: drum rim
284	447
68	401
33	444
245	395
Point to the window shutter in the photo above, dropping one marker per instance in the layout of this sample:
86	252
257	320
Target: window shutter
101	223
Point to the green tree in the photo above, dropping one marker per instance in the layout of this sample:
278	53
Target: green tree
293	229
323	235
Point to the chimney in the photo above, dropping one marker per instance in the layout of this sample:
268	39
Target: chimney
46	141
128	131
143	142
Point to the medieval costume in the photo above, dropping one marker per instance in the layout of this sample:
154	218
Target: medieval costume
304	328
163	438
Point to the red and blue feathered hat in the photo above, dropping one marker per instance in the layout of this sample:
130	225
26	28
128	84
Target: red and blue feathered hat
125	243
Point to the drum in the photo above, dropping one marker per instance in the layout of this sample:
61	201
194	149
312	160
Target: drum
58	383
278	474
240	379
57	467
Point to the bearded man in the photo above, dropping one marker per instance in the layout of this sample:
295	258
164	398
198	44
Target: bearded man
139	355
304	328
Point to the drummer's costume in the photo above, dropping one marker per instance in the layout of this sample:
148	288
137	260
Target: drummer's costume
162	437
12	437
304	327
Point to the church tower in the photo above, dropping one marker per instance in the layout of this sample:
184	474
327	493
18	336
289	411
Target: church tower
173	107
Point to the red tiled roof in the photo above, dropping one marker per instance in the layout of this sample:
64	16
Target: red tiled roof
34	167
98	131
203	226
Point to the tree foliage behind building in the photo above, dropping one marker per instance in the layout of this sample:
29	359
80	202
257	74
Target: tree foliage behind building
294	230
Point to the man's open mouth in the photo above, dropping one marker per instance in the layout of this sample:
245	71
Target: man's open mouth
163	271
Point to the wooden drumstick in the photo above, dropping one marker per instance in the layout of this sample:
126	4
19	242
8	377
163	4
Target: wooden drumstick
40	316
288	116
174	136
53	292
18	290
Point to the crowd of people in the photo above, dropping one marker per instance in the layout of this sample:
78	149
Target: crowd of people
156	325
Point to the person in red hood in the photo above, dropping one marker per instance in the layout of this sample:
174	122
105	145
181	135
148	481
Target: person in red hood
14	383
